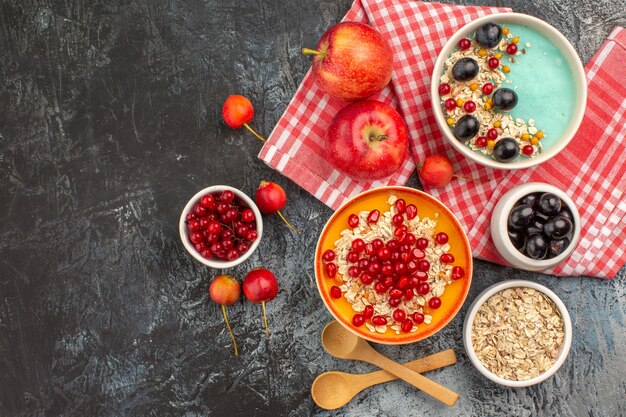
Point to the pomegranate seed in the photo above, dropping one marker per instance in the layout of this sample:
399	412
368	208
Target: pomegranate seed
406	325
247	215
423	288
418	254
380	288
194	225
374	267
399	268
369	249
196	237
199	210
457	273
481	141
493	63
408	294
358	319
395	293
377	244
397	220
331	270
447	258
352	257
366	278
450	104
421	275
368	312
411	211
422	243
469	106
400	206
384	254
329	255
511	49
411	266
464	44
414	282
388	281
403	282
232	254
487	88
393	245
379	320
387	270
335	291
399	314
358	245
216	248
418	318
423	265
528	150
251	235
373	216
354	271
441	238
400	231
444	89
243	247
492	134
434	302
395	256
395	302
208	201
410	239
363	264
353	221
221	207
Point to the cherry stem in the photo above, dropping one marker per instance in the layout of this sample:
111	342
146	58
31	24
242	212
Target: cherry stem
247	126
286	222
267	329
307	51
232	336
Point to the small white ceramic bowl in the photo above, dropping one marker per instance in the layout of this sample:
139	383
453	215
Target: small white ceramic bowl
557	39
184	233
500	236
469	321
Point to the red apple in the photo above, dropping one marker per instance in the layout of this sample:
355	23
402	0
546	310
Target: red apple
367	140
352	61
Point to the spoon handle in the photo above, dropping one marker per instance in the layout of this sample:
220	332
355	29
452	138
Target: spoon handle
420	382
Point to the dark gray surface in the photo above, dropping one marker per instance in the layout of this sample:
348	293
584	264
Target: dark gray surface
110	122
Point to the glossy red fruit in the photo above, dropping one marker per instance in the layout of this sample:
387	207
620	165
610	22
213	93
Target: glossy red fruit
252	235
409	294
208	201
464	44
481	141
434	303
379	320
260	286
358	319
487	88
194	225
493	63
421	275
447	258
196	237
380	288
469	106
395	302
411	211
450	104
423	288
492	134
418	254
407	325
528	150
436	171
403	282
384	254
358	245
199	210
368	312
352	257
457	273
444	89
373	216
400	205
366	278
271	198
328	255
225	290
247	216
335	291
331	270
399	314
423	265
353	220
441	238
418	318
511	49
421	243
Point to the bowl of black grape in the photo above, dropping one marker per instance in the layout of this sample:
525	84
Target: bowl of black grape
535	226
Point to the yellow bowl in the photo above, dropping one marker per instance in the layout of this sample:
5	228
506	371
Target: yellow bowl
454	294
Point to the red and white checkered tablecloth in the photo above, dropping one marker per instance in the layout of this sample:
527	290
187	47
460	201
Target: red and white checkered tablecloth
591	169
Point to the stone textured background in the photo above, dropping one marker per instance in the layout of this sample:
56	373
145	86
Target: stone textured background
110	121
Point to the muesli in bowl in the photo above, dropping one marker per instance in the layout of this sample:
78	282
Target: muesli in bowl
392	266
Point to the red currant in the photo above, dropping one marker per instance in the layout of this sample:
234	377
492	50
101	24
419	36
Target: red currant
450	104
487	88
493	63
221	207
511	49
247	216
199	210
194	225
464	44
243	247
251	235
195	237
434	303
528	150
469	106
444	89
232	254
335	291
481	141
227	196
214	227
492	134
208	201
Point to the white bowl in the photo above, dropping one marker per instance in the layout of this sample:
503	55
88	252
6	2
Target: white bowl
184	233
568	52
500	236
469	321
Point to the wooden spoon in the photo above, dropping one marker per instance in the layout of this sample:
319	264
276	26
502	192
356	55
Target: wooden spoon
334	389
339	342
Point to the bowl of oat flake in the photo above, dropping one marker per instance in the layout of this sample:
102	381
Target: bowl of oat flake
517	333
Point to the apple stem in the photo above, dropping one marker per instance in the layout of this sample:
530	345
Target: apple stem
232	336
247	126
267	329
286	222
307	51
377	138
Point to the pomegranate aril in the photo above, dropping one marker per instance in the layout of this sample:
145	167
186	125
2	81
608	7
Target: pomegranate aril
331	270
423	288
373	216
227	196
399	268
388	281
418	254
396	293
457	273
406	326
411	266
358	319
408	294
421	243
434	302
384	254
409	239
405	258
196	237
418	318
251	235
379	320
363	264
400	232
199	210
397	220
421	275
400	205
411	211
368	312
194	225
447	258
247	215
374	267
377	244
352	257
387	270
423	265
399	314
393	245
353	221
329	255
414	282
380	288
354	271
441	238
367	278
395	256
395	302
369	249
335	291
403	282
358	245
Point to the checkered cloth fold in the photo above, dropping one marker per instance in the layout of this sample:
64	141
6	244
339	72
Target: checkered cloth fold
590	170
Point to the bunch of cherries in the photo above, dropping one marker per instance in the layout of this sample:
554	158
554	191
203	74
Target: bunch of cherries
221	226
397	267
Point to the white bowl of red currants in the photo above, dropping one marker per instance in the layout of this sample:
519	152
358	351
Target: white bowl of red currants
221	226
535	226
